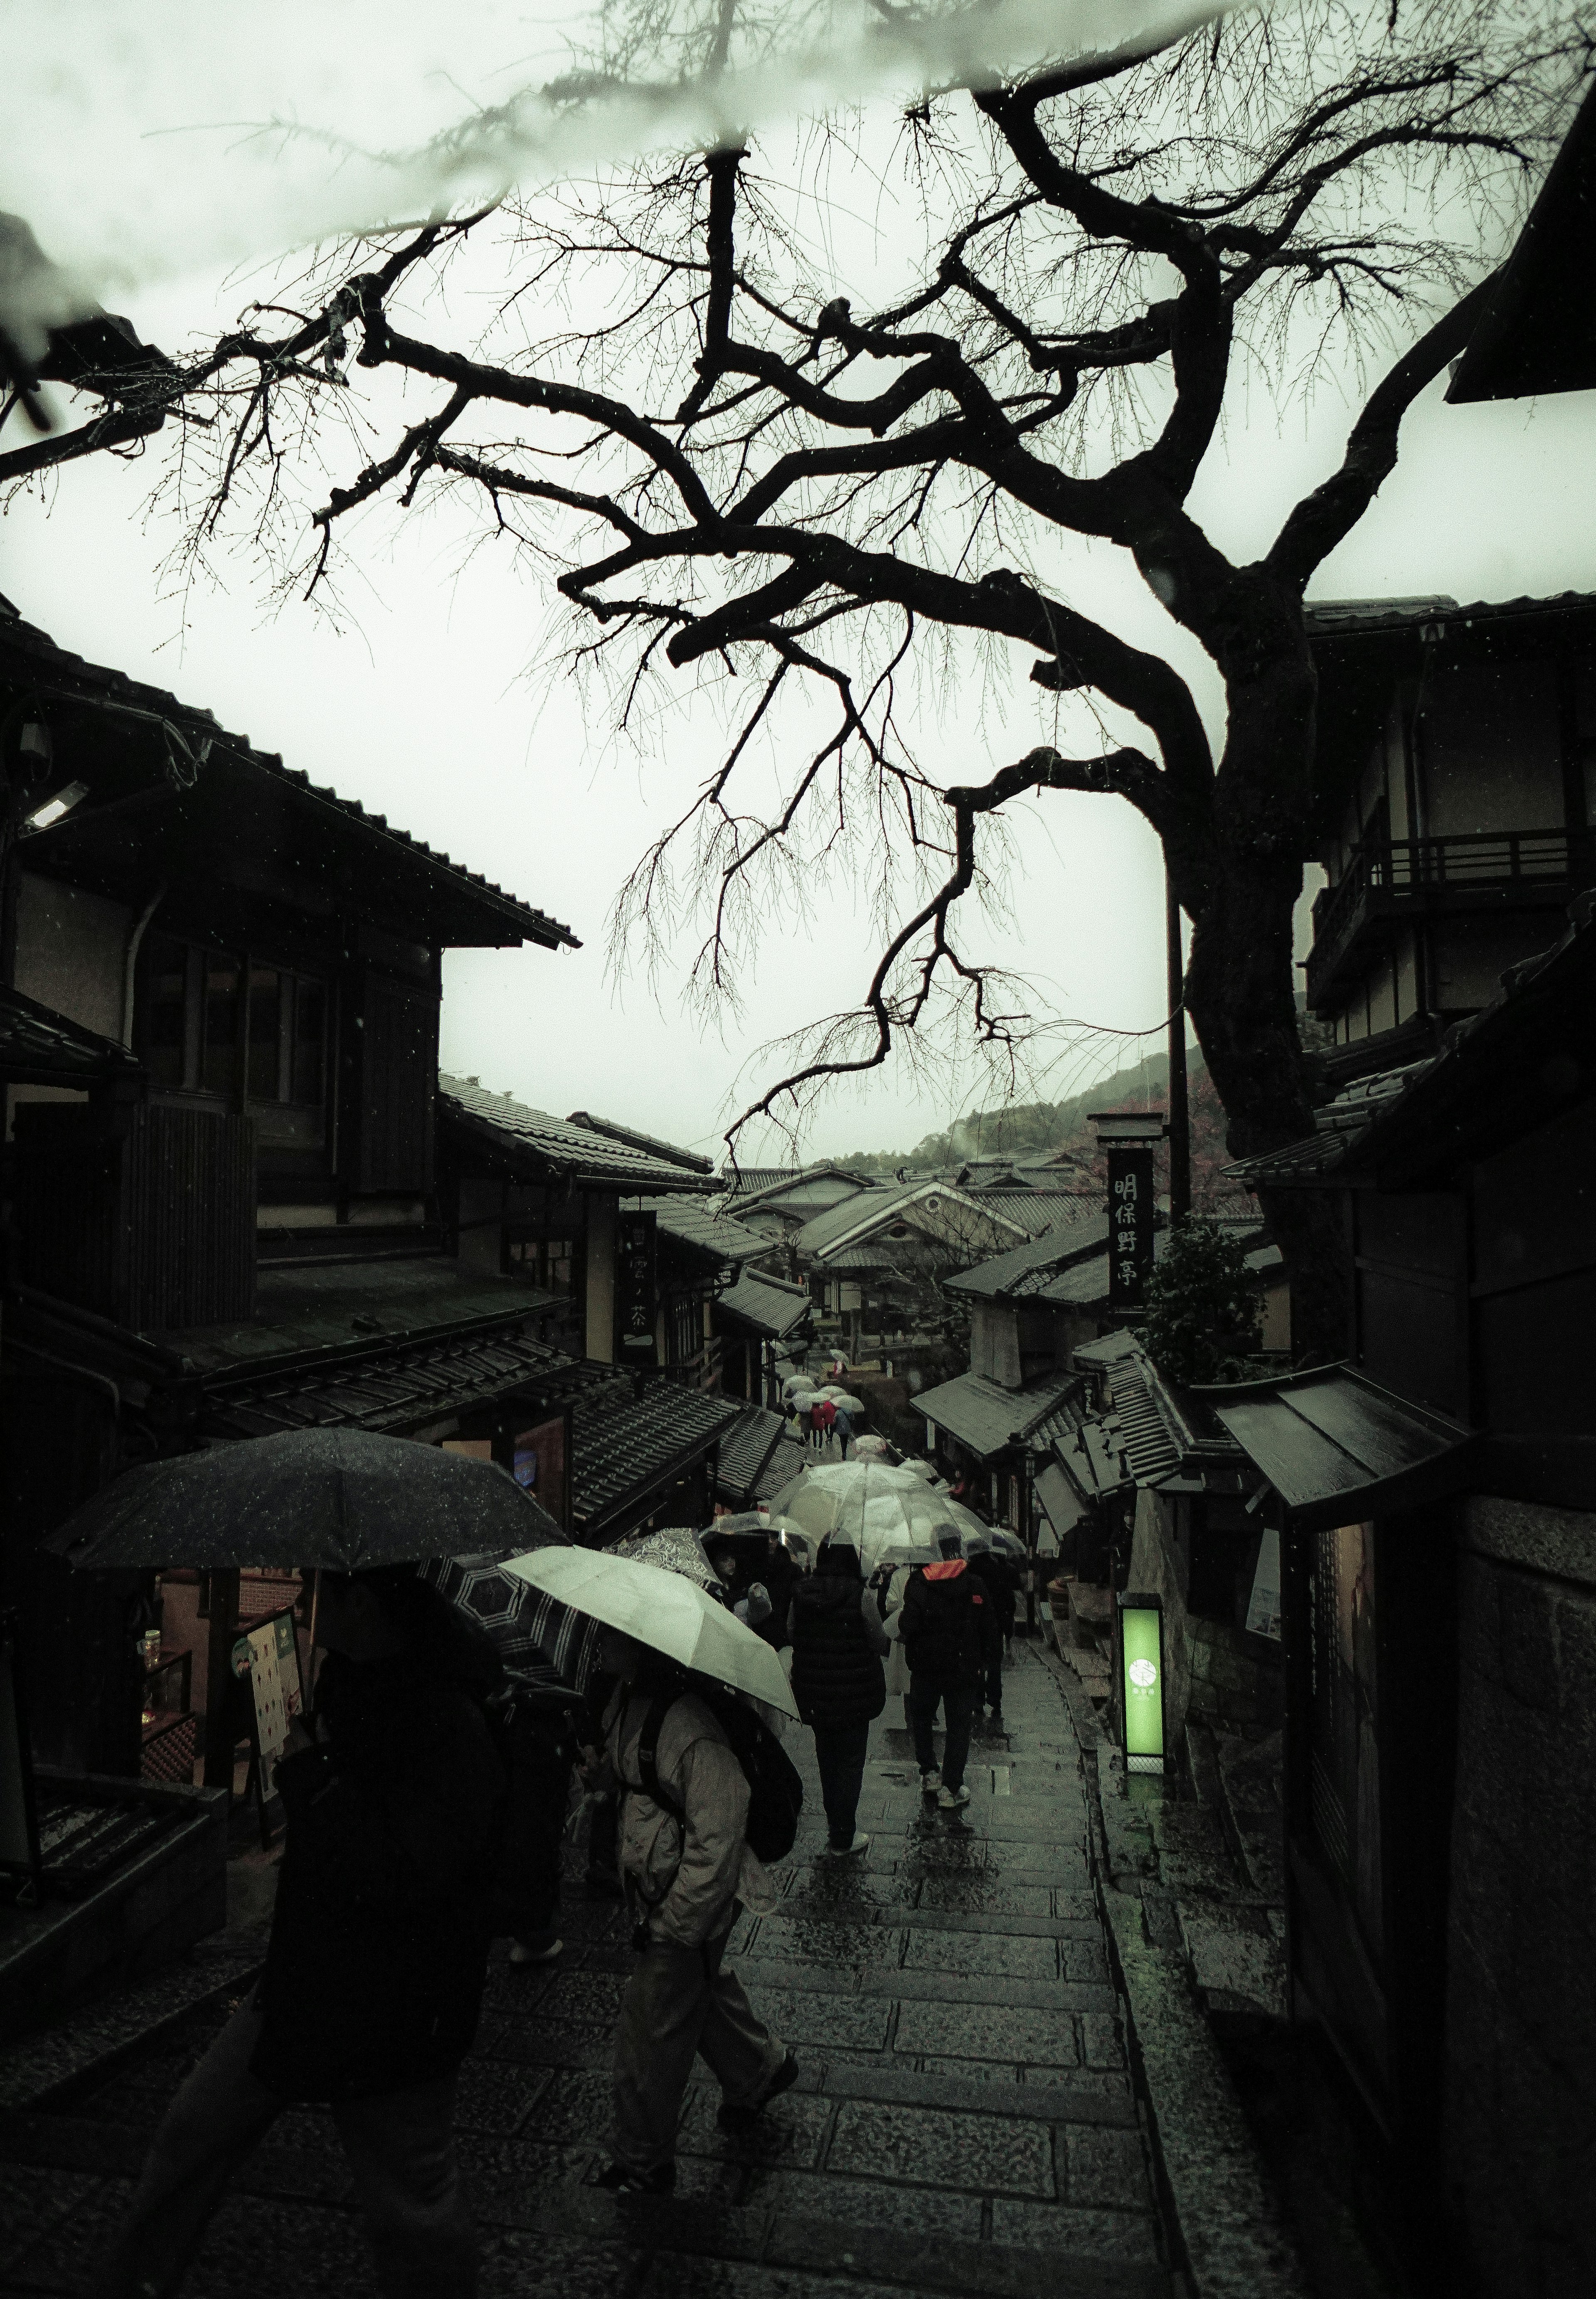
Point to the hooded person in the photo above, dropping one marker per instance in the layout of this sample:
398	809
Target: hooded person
944	1633
378	1956
686	1868
839	1682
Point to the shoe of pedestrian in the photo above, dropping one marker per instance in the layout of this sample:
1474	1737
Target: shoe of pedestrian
620	2180
950	1800
930	1781
846	1851
542	1948
733	2118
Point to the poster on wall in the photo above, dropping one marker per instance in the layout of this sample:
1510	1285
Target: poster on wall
287	1666
266	1690
1263	1609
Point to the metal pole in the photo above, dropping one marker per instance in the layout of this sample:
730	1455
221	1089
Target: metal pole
1180	1115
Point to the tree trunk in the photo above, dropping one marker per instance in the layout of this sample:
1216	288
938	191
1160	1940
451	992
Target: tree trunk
1241	986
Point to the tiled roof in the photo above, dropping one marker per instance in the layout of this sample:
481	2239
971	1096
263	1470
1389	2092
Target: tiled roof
1025	1268
1105	1351
785	1463
701	1224
557	1146
1355	618
649	1143
36	657
745	1453
1337	1125
626	1446
779	1181
1152	1435
40	1047
985	1417
391	1389
765	1305
868	1211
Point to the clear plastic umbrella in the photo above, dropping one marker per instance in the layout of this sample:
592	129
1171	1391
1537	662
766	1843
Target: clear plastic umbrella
887	1511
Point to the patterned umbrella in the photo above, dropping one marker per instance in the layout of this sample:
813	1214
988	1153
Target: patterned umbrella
676	1547
542	1644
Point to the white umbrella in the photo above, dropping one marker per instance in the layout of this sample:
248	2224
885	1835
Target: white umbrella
666	1612
1010	1543
887	1511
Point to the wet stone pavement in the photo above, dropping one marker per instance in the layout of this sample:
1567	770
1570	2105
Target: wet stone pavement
964	2121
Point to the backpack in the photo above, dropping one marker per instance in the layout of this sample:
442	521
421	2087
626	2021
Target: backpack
942	1629
775	1787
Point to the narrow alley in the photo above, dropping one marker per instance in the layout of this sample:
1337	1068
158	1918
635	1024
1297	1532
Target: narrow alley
964	2120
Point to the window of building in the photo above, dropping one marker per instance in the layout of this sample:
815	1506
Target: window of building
548	1262
216	1019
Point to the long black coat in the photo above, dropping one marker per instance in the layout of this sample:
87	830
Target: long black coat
837	1676
378	1949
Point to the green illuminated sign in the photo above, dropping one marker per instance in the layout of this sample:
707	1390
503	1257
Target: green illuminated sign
1141	1680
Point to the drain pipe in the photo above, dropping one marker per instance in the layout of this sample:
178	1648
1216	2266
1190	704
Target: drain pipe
130	961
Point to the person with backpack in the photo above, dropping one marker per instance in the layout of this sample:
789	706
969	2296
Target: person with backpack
686	1811
374	1972
839	1682
822	1422
943	1632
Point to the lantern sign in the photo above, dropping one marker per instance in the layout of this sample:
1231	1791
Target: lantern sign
635	1290
1142	1680
1130	1224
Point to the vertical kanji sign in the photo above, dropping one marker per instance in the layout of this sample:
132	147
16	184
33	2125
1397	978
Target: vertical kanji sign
636	1292
1130	1224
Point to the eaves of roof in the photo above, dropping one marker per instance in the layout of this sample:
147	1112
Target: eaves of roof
1025	1267
39	1047
851	1223
552	1145
704	1230
1327	620
763	1307
988	1418
31	656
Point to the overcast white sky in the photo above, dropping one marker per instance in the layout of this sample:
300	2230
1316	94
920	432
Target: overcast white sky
424	711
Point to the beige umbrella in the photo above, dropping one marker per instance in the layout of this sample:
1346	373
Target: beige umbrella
663	1610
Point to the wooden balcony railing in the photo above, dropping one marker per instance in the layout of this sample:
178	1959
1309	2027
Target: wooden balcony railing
1474	862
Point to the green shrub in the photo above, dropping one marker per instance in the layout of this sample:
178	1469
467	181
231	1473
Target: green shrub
1203	1306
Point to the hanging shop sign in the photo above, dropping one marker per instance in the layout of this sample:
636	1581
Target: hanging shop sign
636	1289
1141	1620
1130	1224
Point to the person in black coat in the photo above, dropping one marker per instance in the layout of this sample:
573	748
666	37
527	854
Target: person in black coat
946	1640
378	1956
1000	1584
839	1682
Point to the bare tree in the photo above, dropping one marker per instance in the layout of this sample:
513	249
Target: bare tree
731	467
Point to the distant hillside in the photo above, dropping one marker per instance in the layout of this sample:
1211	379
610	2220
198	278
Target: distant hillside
1029	1129
1032	1129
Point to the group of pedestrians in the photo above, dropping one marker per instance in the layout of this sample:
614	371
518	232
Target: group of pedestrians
421	1824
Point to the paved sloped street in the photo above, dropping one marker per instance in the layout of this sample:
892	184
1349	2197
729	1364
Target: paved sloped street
964	2121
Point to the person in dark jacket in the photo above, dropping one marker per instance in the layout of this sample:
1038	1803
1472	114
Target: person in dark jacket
943	1639
379	1951
839	1682
1000	1584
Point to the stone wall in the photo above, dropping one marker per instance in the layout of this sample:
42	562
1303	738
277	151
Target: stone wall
1520	2123
1236	1678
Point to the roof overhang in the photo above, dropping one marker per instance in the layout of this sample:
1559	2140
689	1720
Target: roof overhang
1538	333
39	1047
1337	1448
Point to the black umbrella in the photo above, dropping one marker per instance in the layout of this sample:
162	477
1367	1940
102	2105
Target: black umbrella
542	1643
338	1498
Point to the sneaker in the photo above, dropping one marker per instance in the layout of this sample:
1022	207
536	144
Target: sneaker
846	1851
620	2180
950	1800
542	1948
930	1782
733	2118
